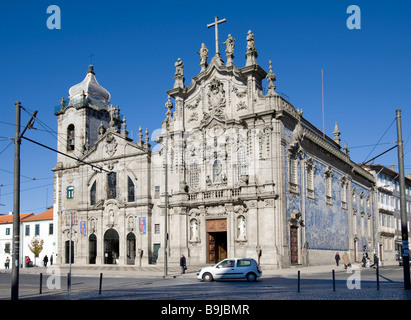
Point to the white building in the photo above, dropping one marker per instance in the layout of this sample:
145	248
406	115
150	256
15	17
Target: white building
41	226
31	225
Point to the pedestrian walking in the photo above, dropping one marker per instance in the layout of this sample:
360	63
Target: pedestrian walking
337	258
45	260
183	264
346	260
375	261
364	260
51	260
7	263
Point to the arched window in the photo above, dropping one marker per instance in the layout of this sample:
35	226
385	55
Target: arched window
93	191
70	192
130	190
111	185
70	137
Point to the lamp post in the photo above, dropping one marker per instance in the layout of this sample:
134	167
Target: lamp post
165	202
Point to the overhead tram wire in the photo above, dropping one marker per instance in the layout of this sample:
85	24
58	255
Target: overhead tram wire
64	154
379	142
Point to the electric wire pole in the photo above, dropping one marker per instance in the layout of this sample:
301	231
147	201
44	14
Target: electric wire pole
16	200
404	218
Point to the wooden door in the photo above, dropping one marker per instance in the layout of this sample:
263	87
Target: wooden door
211	258
216	240
294	244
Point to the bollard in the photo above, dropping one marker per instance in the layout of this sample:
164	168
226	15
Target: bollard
69	283
101	282
41	283
378	278
333	280
298	280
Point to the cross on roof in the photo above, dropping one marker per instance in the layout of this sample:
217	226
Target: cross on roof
216	23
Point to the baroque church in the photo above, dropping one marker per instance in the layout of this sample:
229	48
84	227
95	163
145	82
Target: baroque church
240	173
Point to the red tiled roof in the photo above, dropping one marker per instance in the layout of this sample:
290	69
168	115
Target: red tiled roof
47	215
9	217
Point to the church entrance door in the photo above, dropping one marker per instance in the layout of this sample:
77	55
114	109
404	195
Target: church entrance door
216	240
92	250
131	248
111	246
294	244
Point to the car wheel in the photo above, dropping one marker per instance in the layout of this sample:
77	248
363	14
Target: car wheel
251	277
207	277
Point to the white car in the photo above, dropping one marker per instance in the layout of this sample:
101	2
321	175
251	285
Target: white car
232	268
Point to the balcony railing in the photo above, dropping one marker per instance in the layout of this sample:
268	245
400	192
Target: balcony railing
221	194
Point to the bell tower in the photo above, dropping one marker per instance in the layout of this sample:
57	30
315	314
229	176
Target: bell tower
86	113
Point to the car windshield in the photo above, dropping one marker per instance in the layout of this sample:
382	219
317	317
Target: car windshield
226	264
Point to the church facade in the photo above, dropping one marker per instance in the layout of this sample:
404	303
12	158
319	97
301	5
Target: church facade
240	173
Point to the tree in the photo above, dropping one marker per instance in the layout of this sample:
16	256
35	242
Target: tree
36	246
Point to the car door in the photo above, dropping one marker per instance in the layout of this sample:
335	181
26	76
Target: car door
225	269
243	267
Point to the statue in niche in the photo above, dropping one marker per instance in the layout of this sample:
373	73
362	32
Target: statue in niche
131	223
217	171
194	230
111	217
241	228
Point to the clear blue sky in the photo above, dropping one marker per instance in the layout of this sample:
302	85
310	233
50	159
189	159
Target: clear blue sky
136	43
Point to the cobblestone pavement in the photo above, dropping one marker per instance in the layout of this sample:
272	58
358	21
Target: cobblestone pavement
274	285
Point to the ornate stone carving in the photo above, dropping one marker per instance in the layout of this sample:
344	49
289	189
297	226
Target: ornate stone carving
111	145
216	95
193	117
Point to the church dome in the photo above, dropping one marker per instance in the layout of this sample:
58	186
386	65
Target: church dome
90	89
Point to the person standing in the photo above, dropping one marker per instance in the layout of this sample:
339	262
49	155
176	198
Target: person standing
346	260
45	260
337	258
183	264
7	263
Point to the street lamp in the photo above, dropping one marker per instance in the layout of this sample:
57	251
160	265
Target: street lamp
169	106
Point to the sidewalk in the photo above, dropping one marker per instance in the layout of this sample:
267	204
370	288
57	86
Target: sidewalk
174	271
281	289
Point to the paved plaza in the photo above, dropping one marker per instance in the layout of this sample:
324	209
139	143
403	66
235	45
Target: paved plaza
149	283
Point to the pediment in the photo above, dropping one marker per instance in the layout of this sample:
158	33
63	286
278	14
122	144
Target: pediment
111	145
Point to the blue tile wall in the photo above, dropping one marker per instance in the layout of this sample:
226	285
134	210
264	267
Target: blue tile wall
326	227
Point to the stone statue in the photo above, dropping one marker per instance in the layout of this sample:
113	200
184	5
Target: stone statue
179	75
241	228
250	42
229	43
179	68
194	230
251	54
203	54
111	217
